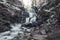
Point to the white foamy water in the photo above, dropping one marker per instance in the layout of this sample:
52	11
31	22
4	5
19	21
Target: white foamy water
32	15
31	11
8	35
16	29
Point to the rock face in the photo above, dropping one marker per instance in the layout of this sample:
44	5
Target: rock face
9	14
47	19
5	17
54	36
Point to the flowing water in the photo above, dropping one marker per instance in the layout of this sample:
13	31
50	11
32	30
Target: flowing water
30	10
16	28
32	16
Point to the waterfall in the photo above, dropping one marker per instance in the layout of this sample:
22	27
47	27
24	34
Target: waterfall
32	15
30	10
16	28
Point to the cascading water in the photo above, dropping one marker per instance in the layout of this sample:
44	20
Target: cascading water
30	10
8	35
16	28
32	16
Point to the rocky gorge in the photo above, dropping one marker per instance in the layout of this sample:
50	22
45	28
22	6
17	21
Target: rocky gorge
23	19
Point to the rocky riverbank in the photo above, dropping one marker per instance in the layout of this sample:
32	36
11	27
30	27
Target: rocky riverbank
13	16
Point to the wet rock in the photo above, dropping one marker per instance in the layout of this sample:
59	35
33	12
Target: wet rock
54	36
5	17
25	14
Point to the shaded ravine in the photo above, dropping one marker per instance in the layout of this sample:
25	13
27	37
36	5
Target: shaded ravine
48	20
17	28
